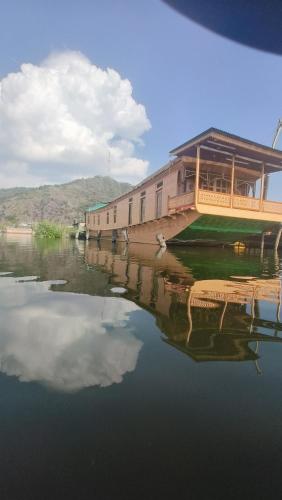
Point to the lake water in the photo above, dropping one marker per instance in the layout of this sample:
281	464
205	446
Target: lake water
132	373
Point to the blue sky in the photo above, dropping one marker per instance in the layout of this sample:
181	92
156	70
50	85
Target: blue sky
186	77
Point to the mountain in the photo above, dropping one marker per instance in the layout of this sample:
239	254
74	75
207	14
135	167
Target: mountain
59	203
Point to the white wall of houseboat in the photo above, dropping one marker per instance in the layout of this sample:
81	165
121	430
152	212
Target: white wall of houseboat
168	189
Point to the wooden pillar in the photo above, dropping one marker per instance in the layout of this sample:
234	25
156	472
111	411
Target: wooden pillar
197	173
232	181
266	184
261	188
277	240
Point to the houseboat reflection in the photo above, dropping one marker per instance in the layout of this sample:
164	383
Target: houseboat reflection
207	319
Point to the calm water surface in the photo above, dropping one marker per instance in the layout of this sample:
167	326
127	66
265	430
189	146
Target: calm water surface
128	373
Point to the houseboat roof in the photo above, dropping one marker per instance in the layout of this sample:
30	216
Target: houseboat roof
218	145
96	206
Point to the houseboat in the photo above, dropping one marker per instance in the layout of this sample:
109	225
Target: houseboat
215	188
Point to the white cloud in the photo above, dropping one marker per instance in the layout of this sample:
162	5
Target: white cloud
16	173
72	116
64	340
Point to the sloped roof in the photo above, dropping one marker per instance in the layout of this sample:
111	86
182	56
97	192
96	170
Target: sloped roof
97	206
220	142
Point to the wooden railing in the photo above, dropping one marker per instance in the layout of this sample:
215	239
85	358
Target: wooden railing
238	202
180	202
214	198
273	207
245	203
184	201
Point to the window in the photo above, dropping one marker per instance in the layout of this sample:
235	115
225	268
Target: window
108	217
130	211
159	195
98	220
189	185
115	214
179	182
142	206
245	188
204	181
94	220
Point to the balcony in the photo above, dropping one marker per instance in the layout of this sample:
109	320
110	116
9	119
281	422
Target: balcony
238	202
231	205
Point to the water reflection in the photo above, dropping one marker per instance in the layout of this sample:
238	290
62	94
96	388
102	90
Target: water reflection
207	319
178	352
68	321
67	341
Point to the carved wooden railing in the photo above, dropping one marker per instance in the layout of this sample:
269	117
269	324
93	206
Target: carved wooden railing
214	198
246	203
180	202
183	201
239	202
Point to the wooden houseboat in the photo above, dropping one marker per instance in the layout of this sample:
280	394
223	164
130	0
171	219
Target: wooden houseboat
214	188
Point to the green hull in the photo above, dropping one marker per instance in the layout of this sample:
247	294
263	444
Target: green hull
223	229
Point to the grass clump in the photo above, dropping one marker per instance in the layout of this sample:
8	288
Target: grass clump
49	230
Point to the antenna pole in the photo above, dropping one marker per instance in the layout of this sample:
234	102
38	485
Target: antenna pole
277	133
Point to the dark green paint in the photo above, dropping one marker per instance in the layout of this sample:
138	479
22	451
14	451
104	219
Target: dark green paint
225	229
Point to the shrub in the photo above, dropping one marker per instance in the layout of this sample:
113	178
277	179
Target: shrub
49	230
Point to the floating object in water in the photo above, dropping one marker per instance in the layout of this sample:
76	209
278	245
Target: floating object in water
118	289
239	244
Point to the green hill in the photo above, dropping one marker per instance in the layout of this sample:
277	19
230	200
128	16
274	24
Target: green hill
59	203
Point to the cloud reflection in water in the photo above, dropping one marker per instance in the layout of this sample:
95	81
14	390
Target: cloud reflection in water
65	340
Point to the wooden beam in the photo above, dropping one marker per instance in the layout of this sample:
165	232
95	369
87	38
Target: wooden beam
246	172
266	184
261	188
258	148
232	181
242	157
197	173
